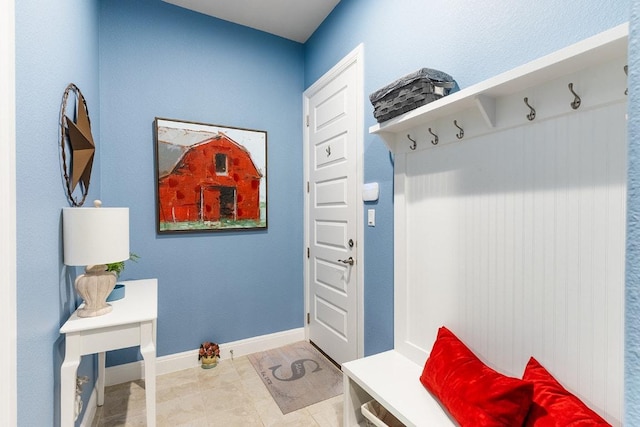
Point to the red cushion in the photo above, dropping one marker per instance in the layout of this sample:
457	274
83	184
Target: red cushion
553	405
473	393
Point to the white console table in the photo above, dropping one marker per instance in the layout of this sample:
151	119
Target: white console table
132	322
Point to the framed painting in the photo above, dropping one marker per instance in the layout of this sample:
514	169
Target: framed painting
209	177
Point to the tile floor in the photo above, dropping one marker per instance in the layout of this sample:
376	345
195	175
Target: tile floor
231	394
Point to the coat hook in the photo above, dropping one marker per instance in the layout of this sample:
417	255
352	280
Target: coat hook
532	114
413	145
460	134
434	141
626	71
576	101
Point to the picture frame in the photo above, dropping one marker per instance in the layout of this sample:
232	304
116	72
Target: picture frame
209	177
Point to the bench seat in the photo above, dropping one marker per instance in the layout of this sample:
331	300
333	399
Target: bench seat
393	381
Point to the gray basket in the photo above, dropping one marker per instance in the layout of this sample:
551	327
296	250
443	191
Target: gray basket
411	91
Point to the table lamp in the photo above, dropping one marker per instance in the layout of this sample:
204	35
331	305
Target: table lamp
95	237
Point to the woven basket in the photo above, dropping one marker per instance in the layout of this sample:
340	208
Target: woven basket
410	92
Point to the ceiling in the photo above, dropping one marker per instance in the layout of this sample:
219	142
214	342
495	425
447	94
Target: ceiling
292	19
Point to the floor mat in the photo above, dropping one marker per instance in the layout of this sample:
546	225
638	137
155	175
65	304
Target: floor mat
297	375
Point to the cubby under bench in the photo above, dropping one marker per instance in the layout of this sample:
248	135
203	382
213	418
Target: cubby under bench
392	380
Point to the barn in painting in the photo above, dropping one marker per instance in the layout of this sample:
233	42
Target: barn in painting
212	181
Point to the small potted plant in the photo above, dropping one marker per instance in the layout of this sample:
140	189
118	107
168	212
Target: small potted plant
209	354
118	267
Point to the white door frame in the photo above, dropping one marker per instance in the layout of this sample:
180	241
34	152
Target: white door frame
8	273
356	56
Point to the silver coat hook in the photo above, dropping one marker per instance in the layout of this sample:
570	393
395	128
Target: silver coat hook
626	71
532	114
435	140
413	145
576	100
460	134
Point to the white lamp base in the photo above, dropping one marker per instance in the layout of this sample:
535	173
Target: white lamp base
94	287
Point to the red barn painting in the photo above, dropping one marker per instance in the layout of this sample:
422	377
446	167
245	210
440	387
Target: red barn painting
206	179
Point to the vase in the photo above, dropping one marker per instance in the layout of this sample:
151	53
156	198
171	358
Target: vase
94	286
209	362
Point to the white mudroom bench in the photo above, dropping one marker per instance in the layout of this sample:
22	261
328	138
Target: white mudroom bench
392	380
509	232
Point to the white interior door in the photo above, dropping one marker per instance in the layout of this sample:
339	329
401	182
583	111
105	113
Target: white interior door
332	138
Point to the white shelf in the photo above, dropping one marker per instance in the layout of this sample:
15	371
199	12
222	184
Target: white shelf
482	97
394	382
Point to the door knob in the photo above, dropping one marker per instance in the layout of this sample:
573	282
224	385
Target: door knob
349	261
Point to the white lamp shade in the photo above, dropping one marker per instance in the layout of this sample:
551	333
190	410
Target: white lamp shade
95	235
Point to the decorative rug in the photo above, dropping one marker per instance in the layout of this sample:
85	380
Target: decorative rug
297	375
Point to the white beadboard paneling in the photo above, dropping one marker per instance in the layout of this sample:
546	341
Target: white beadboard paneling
515	241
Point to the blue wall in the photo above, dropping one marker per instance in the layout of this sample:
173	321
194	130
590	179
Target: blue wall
159	60
55	45
632	308
470	40
135	60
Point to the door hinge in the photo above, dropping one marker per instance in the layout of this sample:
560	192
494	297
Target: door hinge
308	253
307	120
308	186
308	318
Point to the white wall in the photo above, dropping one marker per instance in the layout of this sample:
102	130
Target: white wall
8	387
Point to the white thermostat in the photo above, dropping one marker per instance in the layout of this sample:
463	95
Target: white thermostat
370	192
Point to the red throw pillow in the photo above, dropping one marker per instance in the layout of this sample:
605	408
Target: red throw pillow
553	405
473	393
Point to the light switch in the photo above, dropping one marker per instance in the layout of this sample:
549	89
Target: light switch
371	217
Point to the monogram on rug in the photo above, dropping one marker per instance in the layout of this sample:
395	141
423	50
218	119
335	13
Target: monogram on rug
297	375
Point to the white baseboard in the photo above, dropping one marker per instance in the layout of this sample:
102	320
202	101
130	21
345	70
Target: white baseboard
92	408
189	359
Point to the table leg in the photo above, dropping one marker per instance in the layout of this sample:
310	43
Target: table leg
68	372
148	351
100	381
